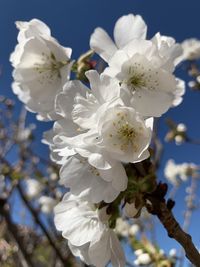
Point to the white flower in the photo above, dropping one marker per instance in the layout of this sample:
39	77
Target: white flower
122	227
42	66
96	125
172	252
123	134
126	29
105	133
144	68
176	173
78	107
140	70
130	210
88	101
28	29
192	84
33	188
144	258
191	50
168	50
138	252
120	135
87	232
181	127
47	204
134	229
179	139
171	172
79	175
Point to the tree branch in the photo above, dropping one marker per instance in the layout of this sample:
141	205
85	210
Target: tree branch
38	221
162	210
4	211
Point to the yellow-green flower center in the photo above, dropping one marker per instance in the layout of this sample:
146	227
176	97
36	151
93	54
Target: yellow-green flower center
49	68
137	81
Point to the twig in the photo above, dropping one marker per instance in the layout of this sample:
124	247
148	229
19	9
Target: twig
38	221
52	242
162	210
188	213
4	211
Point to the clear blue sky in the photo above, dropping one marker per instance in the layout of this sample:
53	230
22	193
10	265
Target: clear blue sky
72	22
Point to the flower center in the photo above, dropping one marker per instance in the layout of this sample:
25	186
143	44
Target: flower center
50	67
123	135
140	76
137	81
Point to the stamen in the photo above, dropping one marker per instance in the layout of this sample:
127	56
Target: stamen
50	69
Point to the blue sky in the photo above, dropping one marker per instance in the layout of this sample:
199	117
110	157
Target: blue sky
72	22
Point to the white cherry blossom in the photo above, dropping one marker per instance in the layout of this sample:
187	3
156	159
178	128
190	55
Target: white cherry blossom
144	259
145	74
87	232
33	188
126	29
79	176
120	135
168	50
130	210
176	173
144	67
47	204
122	227
191	50
42	67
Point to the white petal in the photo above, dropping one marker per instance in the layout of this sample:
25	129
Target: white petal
117	253
102	44
81	252
99	250
129	27
152	103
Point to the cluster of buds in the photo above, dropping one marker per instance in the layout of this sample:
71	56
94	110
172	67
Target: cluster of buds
177	132
148	254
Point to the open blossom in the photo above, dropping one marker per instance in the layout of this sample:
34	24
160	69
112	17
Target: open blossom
41	68
126	29
87	232
103	131
78	108
47	204
33	188
191	50
176	173
143	259
79	176
122	227
143	67
120	135
140	70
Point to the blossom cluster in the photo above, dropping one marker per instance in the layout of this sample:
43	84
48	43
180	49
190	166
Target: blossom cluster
177	173
99	127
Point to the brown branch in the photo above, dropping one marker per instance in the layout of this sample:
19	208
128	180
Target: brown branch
4	211
157	205
162	210
34	213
